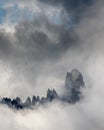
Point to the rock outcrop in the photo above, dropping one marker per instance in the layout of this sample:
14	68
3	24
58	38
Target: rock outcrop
73	86
73	91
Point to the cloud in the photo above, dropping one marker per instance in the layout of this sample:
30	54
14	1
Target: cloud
31	47
39	49
76	117
74	8
38	54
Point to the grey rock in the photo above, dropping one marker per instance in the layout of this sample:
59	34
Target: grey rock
73	85
52	94
27	103
73	92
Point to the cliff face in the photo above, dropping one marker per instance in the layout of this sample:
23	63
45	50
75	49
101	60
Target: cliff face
73	86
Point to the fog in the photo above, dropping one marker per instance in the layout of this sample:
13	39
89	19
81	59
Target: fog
38	53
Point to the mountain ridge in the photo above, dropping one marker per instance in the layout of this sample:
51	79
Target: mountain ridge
73	85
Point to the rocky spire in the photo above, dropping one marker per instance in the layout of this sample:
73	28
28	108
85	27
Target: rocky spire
51	94
73	85
28	102
34	100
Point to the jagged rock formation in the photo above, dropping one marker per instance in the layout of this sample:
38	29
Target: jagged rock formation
12	103
73	85
27	103
51	95
34	100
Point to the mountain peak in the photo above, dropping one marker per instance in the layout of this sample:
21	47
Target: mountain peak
73	85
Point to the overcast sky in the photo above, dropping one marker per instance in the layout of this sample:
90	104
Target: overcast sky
42	40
